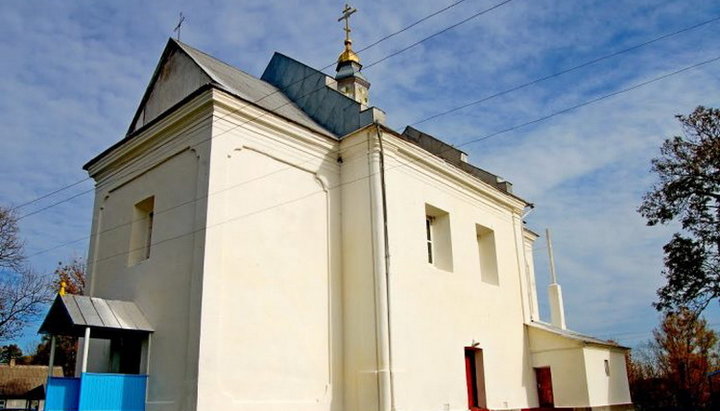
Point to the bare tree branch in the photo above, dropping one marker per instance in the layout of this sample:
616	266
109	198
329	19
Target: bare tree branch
23	297
11	248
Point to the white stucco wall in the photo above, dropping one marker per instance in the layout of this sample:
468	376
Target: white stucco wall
529	241
435	313
567	365
271	330
606	389
165	285
578	370
359	330
569	380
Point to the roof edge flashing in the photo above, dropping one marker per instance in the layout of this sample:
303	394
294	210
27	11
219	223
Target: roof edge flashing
455	157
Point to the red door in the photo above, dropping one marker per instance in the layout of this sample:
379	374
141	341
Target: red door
471	378
544	386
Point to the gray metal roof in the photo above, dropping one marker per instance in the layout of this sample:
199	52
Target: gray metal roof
454	157
71	314
309	89
573	334
251	89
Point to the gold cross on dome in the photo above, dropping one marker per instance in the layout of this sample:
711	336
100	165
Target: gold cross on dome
346	16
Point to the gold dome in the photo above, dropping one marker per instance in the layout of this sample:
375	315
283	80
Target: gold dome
348	54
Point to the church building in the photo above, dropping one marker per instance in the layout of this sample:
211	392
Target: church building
271	244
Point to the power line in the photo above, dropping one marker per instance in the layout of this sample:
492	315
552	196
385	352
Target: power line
461	22
455	25
177	142
568	70
40	210
44	196
434	116
639	334
592	101
485	99
373	44
400	163
408	27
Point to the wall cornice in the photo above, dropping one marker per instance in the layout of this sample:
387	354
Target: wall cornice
124	156
423	161
237	113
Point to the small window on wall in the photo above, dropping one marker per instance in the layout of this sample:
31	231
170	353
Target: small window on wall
607	368
141	231
437	238
488	255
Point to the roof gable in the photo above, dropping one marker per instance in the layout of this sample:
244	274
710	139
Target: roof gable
71	314
176	76
183	70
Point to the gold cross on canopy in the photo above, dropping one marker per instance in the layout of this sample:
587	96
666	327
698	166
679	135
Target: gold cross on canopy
346	16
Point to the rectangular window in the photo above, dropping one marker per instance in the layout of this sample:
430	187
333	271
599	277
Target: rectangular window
141	231
148	233
487	254
428	234
437	237
475	378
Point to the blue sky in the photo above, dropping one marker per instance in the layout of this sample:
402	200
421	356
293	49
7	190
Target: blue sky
73	72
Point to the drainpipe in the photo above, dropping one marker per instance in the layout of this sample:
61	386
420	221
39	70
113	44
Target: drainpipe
386	400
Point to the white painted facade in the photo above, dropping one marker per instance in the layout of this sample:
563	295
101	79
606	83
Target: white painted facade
289	269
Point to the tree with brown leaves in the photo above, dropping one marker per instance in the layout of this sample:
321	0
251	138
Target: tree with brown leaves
671	372
72	274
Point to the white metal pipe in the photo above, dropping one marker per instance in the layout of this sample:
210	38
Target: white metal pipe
147	365
52	356
147	354
86	349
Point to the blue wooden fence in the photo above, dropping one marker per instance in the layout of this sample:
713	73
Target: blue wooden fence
97	392
63	394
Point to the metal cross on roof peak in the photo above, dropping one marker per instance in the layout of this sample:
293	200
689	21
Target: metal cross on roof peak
179	25
346	16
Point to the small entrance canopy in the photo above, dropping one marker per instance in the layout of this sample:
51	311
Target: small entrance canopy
73	314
